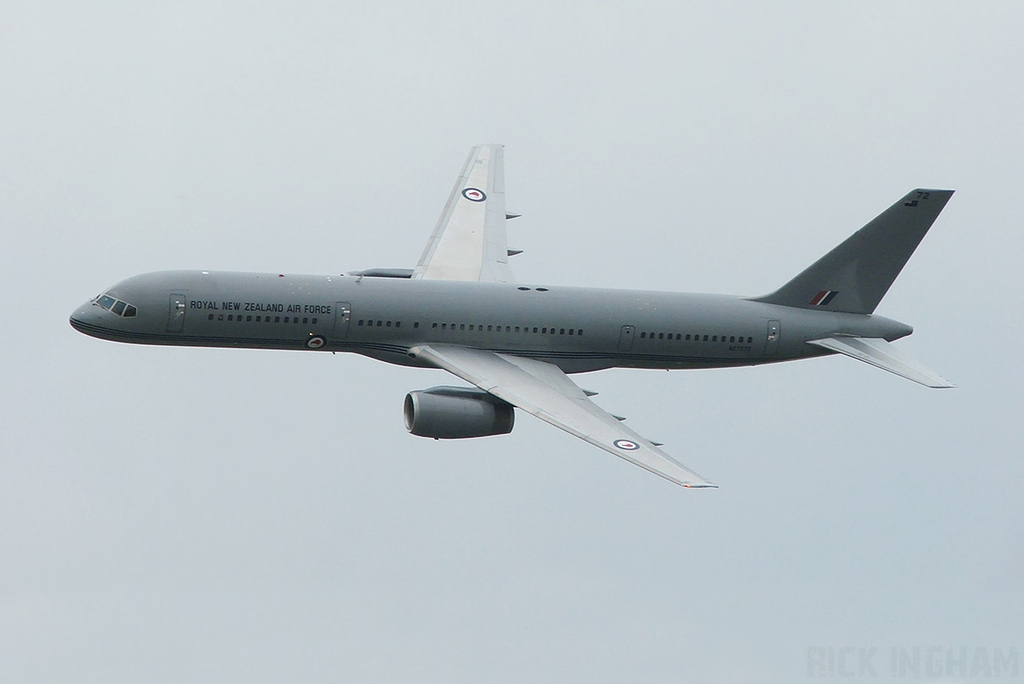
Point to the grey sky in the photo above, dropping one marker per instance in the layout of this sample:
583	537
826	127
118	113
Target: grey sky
200	515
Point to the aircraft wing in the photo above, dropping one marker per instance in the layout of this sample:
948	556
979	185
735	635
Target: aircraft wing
469	241
545	391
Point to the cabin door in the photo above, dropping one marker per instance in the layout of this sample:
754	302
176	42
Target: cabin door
771	344
342	316
626	337
176	313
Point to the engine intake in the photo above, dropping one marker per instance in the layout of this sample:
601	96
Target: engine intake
456	413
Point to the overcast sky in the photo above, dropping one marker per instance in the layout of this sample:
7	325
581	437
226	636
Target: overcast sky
198	515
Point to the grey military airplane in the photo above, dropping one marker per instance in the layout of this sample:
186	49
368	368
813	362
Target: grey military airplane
460	310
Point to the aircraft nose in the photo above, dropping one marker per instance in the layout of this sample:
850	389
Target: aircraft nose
86	318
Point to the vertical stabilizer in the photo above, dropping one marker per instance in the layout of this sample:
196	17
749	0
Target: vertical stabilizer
855	276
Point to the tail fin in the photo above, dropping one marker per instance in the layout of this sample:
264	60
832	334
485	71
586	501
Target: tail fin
855	276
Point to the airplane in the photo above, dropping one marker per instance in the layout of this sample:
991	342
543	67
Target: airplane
460	310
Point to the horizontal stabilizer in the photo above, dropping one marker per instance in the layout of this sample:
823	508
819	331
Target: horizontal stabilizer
884	355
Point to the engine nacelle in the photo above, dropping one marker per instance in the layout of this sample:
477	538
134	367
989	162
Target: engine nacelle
456	413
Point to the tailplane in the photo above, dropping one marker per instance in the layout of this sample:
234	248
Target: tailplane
855	276
881	354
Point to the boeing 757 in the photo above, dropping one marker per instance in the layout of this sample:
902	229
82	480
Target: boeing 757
515	344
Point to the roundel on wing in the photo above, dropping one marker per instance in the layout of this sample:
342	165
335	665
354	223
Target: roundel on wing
474	194
626	444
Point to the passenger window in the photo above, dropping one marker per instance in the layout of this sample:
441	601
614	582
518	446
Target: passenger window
705	338
210	317
678	336
388	324
571	331
220	317
661	336
314	321
433	326
248	318
444	326
231	317
416	324
544	331
714	338
643	336
517	328
579	332
277	319
561	331
471	327
462	327
749	340
305	320
732	338
508	328
398	324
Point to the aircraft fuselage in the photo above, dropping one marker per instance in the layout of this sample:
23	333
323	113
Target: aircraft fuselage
578	329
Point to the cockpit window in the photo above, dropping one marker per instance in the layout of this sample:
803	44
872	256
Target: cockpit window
116	306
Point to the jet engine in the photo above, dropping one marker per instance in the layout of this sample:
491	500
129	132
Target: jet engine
456	413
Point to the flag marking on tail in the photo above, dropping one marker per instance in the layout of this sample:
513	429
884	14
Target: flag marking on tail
824	297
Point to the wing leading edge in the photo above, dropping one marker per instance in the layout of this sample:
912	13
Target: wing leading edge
543	390
469	241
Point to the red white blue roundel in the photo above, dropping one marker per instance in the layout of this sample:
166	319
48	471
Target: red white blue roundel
626	444
474	195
